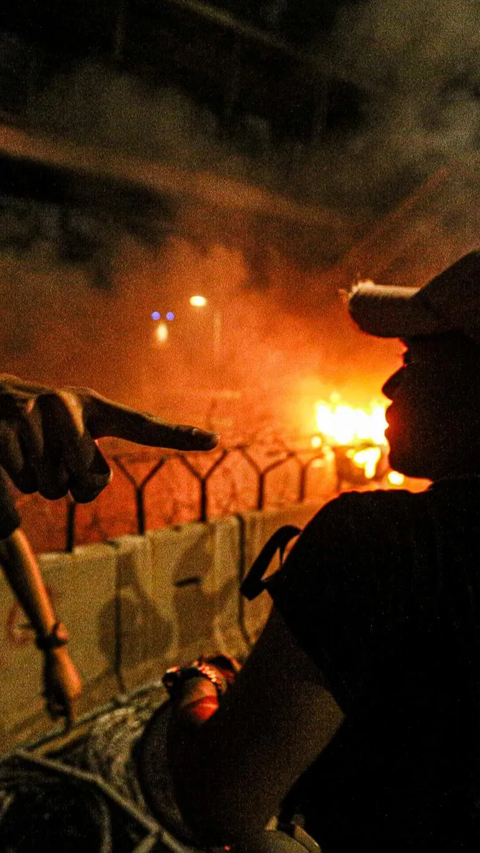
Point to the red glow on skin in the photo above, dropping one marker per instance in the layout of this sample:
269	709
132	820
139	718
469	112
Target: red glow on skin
200	710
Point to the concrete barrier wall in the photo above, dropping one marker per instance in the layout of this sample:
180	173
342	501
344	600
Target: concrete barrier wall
178	592
134	606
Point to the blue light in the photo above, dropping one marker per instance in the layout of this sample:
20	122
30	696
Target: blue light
170	315
155	315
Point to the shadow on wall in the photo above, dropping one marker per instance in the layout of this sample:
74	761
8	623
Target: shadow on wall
196	608
130	625
131	629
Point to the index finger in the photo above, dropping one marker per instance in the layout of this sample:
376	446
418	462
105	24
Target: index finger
115	420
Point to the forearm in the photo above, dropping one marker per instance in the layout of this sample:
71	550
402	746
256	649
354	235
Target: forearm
233	771
23	574
197	704
204	800
198	798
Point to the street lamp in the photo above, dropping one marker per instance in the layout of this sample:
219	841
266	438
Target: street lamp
162	332
199	301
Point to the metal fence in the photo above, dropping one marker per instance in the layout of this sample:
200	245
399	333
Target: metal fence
149	491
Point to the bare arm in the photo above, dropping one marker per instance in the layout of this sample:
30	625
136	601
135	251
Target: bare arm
21	569
48	444
232	772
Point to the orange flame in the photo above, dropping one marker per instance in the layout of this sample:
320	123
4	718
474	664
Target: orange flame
368	459
341	424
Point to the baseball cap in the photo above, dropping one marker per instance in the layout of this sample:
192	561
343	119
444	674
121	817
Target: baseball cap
449	302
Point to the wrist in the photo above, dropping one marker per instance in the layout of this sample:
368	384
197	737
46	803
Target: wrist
56	638
56	653
177	679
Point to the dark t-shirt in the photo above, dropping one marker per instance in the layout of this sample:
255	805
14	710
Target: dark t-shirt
383	591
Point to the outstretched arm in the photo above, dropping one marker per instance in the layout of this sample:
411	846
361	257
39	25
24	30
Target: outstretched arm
48	437
48	443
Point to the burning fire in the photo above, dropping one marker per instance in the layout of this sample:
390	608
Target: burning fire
343	424
361	430
368	459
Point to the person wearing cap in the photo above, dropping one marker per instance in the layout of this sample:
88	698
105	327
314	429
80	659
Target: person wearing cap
48	443
359	706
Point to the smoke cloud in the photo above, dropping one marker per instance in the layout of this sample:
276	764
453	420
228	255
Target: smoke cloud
284	332
415	65
418	65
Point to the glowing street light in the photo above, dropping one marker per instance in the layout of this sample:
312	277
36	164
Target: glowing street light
162	332
198	301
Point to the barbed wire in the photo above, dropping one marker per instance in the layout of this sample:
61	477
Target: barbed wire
151	490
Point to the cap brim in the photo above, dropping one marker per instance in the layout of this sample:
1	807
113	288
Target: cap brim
393	312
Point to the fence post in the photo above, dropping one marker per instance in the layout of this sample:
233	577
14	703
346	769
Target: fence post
305	467
139	488
203	480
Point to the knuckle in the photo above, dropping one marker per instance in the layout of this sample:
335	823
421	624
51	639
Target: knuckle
15	405
25	481
72	402
48	396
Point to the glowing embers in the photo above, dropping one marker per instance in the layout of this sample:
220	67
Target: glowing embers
357	438
366	458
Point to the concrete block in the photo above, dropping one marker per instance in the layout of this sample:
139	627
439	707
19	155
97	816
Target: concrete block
226	578
20	662
144	630
82	589
195	587
135	606
258	527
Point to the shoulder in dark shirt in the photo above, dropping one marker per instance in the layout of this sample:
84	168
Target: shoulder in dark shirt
382	590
